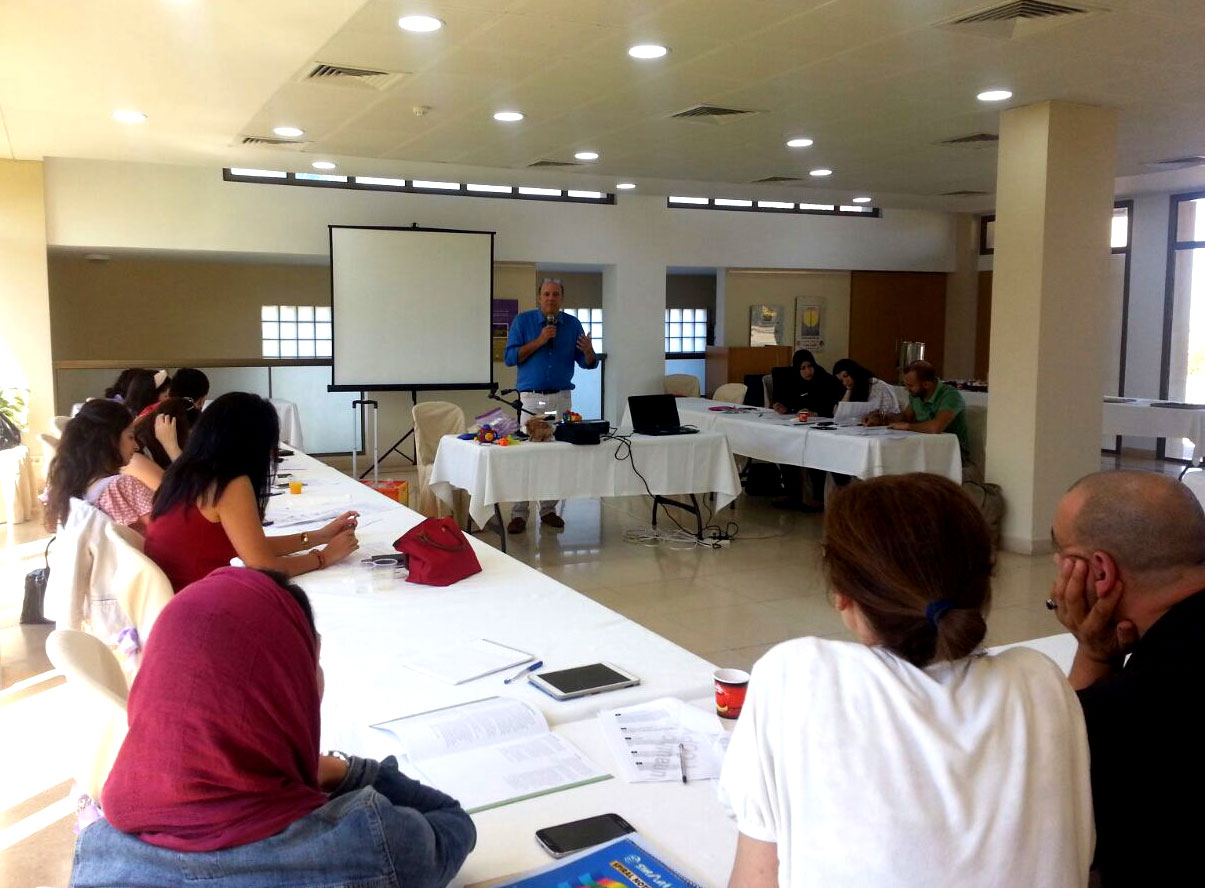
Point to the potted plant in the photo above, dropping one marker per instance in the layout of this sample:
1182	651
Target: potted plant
14	416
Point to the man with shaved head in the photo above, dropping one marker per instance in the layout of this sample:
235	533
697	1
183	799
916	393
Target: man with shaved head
1130	550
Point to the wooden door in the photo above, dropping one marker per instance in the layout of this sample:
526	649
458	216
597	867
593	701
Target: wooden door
886	308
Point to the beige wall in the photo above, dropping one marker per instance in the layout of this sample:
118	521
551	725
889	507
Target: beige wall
25	361
962	298
747	287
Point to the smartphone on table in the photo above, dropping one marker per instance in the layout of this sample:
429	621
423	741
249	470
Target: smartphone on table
566	838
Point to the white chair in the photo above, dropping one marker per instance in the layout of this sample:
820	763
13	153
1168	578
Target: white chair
60	424
731	392
50	446
96	681
432	420
682	385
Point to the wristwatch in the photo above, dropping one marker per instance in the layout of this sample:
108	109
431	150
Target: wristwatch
305	538
340	755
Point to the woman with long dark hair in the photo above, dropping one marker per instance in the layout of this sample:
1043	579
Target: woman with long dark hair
220	780
810	387
908	756
188	382
96	444
161	435
146	388
117	391
210	505
863	386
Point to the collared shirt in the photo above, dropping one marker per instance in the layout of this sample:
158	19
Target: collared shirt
550	367
1148	776
945	397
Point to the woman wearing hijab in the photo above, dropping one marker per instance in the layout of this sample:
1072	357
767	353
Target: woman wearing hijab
810	387
220	779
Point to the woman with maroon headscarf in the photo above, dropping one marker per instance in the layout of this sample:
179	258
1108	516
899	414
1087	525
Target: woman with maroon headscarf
220	778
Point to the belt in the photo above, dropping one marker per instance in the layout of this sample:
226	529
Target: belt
540	391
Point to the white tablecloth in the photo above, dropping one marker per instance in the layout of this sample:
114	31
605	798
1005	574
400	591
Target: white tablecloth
18	490
369	622
858	451
675	464
290	422
1143	420
1195	480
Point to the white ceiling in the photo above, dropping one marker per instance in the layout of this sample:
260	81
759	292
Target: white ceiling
874	82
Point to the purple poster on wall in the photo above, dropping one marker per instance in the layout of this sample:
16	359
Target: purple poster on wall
504	311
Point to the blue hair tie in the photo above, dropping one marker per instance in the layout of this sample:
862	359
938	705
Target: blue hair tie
937	609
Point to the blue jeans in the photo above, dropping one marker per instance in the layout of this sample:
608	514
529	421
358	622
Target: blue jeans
379	830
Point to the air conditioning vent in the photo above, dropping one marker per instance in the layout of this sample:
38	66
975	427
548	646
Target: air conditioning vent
357	78
771	180
555	163
710	114
965	193
268	140
973	139
1020	18
1189	160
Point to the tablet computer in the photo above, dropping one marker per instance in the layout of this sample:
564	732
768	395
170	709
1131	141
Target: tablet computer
579	681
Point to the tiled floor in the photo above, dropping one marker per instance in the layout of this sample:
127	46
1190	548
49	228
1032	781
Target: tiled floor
728	605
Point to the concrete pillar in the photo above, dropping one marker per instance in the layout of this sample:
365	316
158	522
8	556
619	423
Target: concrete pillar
962	300
1054	188
25	361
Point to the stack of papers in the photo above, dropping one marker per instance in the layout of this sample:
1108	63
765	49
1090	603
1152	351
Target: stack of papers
657	741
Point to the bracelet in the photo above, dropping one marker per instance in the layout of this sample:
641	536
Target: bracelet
321	558
305	538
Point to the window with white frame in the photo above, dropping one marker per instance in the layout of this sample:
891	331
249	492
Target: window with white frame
685	330
295	331
591	321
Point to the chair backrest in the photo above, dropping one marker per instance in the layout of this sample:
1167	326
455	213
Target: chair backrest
88	663
976	419
50	446
60	424
731	392
140	586
682	385
433	420
767	384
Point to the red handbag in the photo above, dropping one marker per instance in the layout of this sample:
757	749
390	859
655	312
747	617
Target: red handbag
438	552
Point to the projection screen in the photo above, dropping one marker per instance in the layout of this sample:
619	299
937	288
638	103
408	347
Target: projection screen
411	308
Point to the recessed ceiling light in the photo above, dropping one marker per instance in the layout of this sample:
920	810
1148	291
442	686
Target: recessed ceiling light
508	116
322	165
821	172
421	24
126	116
801	142
647	51
994	95
288	132
586	155
861	200
626	186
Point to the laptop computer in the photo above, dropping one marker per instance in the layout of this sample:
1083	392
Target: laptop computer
656	415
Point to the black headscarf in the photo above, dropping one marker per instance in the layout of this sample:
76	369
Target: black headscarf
819	394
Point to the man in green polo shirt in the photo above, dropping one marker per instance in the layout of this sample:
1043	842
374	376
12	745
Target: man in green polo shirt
933	408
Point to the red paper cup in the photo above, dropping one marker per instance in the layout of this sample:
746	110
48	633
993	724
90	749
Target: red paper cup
803	416
730	688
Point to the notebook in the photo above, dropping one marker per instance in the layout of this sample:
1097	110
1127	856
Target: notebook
465	662
656	415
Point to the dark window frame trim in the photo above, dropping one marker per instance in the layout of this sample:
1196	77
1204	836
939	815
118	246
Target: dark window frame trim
1169	301
872	213
608	198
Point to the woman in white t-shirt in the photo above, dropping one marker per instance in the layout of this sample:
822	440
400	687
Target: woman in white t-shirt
862	386
908	759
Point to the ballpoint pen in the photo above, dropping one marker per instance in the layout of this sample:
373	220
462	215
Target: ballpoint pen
682	759
522	672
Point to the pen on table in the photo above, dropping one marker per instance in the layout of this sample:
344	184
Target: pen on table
682	760
522	672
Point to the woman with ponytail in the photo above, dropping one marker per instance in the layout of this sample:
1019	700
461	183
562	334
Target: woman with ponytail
908	757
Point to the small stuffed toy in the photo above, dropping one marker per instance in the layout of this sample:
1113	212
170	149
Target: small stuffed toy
539	430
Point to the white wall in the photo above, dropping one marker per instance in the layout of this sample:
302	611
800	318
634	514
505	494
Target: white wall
107	205
1148	282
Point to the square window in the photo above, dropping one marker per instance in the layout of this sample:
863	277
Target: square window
322	331
596	315
305	312
322	348
667	329
675	345
288	331
597	341
675	314
271	348
305	331
270	330
322	313
701	329
700	344
269	313
688	314
288	348
305	348
675	329
288	312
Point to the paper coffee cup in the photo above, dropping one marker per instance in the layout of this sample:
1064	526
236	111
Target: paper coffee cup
295	486
730	688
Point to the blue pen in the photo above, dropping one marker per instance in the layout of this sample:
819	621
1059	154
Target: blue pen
522	672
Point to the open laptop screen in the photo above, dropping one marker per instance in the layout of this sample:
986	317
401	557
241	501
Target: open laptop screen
652	413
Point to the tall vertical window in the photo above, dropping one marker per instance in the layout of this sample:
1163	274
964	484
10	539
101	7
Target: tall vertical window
295	331
685	330
592	324
1184	319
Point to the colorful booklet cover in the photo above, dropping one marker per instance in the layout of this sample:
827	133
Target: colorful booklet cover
626	862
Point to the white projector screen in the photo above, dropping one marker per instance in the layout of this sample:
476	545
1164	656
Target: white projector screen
411	308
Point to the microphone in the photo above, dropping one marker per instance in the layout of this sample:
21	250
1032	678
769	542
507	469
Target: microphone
550	320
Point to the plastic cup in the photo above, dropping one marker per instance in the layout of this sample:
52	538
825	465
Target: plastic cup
803	416
730	688
295	486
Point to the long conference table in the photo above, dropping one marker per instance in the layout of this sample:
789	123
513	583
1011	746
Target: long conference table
371	619
760	433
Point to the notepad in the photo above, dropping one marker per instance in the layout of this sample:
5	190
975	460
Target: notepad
489	753
464	662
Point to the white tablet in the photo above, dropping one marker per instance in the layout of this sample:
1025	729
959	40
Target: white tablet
580	681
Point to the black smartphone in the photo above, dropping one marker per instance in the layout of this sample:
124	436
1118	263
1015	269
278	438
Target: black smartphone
565	838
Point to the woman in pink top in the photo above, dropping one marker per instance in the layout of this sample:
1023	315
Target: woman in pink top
97	443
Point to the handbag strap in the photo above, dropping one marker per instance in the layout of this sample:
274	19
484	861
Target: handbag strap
455	547
46	554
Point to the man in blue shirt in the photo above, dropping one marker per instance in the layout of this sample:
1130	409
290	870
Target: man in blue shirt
544	344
